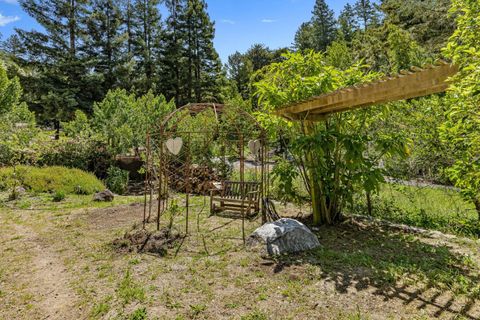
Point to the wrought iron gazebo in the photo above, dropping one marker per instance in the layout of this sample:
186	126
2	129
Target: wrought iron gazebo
222	157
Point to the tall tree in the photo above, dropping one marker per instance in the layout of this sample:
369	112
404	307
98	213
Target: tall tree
203	64
62	82
172	51
347	25
239	70
241	67
106	44
323	22
428	21
146	32
367	14
259	55
319	32
304	37
190	59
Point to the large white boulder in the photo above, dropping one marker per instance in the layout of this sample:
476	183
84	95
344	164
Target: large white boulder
283	236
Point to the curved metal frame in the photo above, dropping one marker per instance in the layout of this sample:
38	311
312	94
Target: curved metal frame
156	154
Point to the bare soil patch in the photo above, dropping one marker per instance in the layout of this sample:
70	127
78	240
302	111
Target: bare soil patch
361	271
145	241
48	280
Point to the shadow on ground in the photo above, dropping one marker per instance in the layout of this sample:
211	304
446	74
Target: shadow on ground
395	266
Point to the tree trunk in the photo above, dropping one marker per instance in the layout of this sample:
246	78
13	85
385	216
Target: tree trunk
476	202
56	125
72	29
369	203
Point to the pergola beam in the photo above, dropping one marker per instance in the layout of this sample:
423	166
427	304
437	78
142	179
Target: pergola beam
407	85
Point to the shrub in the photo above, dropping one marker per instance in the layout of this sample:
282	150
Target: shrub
117	180
17	122
58	196
88	154
51	179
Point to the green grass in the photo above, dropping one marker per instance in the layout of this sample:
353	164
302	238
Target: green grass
129	290
387	259
426	207
43	202
234	282
50	179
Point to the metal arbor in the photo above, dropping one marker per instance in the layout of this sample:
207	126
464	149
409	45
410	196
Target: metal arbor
196	150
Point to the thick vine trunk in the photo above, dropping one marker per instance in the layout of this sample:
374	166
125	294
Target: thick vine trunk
476	202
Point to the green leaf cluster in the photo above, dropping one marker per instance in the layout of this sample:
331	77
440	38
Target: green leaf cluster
462	126
335	157
17	123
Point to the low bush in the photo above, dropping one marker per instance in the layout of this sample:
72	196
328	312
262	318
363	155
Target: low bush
50	179
58	196
117	180
85	154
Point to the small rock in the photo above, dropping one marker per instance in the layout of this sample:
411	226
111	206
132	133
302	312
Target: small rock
17	193
20	190
283	236
105	196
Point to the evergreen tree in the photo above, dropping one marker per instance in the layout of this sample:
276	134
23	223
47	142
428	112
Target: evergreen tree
172	52
323	23
106	44
319	32
190	60
347	23
304	38
428	21
61	82
146	31
204	66
239	70
259	55
367	14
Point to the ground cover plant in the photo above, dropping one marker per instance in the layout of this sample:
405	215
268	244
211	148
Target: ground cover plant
50	179
367	272
425	206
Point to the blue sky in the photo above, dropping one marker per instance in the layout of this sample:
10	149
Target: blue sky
239	23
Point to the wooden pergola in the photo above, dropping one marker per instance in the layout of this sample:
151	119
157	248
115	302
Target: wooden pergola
414	83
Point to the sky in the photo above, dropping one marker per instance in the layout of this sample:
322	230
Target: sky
238	23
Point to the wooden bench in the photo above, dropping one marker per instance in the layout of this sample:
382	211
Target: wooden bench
236	196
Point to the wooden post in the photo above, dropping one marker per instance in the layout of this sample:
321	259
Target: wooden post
147	180
242	185
263	182
187	184
160	184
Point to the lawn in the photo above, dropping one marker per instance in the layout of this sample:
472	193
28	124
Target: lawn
436	208
57	260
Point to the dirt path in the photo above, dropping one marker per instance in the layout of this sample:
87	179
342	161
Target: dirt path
48	278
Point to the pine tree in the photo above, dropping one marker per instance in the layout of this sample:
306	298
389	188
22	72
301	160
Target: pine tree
367	14
319	32
259	55
190	60
204	67
106	44
172	52
323	22
62	82
347	23
146	33
240	69
428	21
304	38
